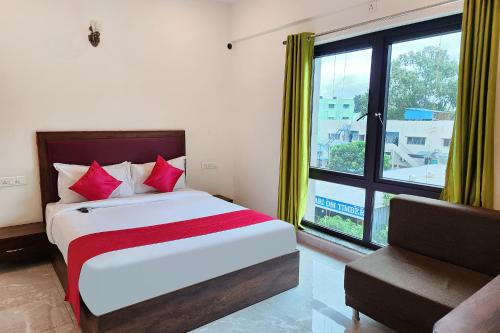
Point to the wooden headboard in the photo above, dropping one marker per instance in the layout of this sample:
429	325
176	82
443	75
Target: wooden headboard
106	147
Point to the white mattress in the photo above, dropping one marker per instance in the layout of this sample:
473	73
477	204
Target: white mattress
121	278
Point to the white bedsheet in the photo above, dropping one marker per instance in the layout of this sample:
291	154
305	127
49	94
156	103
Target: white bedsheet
121	278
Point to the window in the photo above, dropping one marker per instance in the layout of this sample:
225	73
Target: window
334	71
333	136
354	136
392	138
331	106
415	140
337	207
397	89
421	101
380	217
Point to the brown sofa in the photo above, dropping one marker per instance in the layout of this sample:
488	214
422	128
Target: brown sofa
439	254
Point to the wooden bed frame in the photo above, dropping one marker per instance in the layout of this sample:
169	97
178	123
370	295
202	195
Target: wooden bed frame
181	310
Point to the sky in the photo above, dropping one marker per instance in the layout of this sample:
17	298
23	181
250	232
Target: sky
347	74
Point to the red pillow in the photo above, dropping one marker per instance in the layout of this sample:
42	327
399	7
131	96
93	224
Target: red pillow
164	176
96	183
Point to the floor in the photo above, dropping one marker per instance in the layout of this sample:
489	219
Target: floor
32	300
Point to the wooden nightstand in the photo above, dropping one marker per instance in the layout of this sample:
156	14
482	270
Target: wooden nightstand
27	241
223	198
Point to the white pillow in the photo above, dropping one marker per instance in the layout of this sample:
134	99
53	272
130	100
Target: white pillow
70	173
140	172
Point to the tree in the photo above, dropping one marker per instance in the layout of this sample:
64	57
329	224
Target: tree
423	79
386	199
350	158
344	225
361	103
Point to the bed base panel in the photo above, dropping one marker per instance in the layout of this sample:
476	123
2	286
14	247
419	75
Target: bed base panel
194	306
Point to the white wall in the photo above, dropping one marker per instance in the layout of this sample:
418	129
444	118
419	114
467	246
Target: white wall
162	64
258	65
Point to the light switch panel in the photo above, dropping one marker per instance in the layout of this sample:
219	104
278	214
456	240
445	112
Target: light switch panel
20	181
12	181
208	165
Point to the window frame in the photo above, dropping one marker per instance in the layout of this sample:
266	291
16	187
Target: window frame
372	181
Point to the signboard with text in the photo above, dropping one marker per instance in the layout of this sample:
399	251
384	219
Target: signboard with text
340	207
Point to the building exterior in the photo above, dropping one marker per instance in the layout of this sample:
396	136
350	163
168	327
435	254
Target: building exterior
426	114
422	138
416	147
336	108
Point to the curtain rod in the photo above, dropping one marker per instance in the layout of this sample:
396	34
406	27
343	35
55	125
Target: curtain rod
292	24
384	18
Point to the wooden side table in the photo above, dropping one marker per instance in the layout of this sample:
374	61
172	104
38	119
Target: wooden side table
20	242
220	196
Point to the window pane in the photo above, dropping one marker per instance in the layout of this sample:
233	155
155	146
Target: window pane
380	218
341	84
337	207
420	108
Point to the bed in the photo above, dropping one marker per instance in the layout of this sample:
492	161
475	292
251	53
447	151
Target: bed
167	287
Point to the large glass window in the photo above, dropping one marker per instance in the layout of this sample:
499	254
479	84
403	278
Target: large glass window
421	104
336	207
383	113
380	217
336	135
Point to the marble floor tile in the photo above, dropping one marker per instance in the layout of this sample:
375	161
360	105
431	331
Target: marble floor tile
20	281
68	328
38	313
32	301
316	305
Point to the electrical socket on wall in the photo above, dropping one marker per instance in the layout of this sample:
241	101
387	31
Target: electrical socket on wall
208	165
12	181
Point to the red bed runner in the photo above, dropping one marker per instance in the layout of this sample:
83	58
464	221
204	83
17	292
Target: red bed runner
86	247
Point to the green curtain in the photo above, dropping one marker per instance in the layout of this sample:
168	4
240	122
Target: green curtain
295	129
469	178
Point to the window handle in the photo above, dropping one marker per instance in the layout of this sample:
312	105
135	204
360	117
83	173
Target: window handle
362	116
378	115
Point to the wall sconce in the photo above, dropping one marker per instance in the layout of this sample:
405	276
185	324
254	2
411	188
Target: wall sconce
94	36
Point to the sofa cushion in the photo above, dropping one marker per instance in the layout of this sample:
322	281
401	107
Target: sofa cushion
416	289
458	234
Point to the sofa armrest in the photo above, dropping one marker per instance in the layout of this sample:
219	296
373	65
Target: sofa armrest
457	234
480	313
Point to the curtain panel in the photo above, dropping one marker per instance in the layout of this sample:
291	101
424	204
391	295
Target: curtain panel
470	172
295	130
